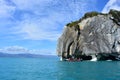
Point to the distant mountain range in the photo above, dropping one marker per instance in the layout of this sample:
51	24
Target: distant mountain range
26	55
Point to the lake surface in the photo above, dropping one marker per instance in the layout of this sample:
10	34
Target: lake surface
50	68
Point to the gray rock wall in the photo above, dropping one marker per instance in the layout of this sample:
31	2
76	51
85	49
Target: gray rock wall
96	35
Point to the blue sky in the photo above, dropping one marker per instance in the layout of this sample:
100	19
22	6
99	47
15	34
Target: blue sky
33	26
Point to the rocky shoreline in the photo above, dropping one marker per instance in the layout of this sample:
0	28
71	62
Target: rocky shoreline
95	37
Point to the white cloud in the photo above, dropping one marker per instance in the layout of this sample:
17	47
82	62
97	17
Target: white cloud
31	4
6	10
14	50
22	50
112	4
47	26
37	29
43	19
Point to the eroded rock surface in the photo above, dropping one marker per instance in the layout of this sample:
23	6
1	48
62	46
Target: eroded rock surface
95	34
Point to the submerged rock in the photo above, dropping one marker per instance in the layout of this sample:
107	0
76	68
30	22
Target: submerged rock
95	34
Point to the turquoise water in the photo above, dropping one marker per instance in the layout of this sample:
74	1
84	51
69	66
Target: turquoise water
50	68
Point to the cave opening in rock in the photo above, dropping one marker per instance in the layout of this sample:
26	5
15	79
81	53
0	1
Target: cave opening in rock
84	57
106	56
69	50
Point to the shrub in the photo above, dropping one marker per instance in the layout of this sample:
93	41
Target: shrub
87	15
72	23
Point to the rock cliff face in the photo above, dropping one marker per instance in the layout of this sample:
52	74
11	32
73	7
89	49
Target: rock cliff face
96	35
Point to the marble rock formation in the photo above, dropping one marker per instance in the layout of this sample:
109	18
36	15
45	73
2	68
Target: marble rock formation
96	36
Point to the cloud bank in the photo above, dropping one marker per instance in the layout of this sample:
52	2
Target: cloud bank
40	19
112	4
22	50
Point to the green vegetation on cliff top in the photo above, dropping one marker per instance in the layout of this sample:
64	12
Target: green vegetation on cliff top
87	15
115	14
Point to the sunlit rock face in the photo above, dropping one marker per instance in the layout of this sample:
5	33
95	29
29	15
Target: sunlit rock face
95	34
